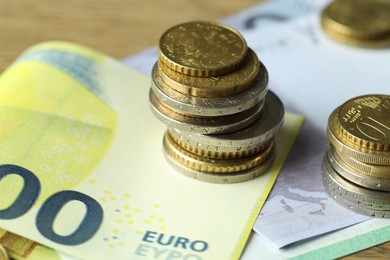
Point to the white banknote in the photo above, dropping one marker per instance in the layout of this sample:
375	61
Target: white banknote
313	75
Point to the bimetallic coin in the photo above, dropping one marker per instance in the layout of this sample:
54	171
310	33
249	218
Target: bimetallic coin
202	49
222	178
352	175
204	125
358	22
3	253
263	130
365	121
210	165
198	106
333	182
218	86
359	208
354	151
199	150
373	170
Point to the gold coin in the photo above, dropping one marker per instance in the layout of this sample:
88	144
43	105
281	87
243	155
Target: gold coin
365	121
358	22
203	151
222	178
343	148
350	149
202	49
3	253
357	177
209	165
380	171
219	86
198	106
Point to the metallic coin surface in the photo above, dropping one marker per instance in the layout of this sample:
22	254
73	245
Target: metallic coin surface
3	253
352	150
202	49
201	151
198	106
374	170
222	178
261	131
204	125
358	22
333	182
210	165
365	121
218	86
359	208
352	175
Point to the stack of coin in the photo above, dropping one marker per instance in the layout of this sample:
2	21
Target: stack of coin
211	91
360	23
356	168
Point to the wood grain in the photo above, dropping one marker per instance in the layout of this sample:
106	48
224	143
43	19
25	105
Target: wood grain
116	27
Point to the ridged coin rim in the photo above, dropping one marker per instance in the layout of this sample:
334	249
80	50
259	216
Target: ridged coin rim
225	85
204	125
210	165
359	178
262	130
198	106
350	189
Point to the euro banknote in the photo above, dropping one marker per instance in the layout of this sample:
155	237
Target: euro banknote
82	169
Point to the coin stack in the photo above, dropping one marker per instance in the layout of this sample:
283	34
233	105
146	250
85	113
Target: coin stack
210	89
356	168
360	23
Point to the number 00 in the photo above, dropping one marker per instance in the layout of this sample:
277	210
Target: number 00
51	207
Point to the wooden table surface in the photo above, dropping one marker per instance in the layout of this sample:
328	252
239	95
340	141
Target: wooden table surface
116	27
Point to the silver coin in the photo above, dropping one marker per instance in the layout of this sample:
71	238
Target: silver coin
350	174
334	183
204	125
199	106
361	209
263	130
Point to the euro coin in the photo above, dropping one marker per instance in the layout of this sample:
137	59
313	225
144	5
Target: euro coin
217	86
354	176
373	170
221	178
198	106
216	166
261	131
358	22
360	209
352	150
365	121
204	125
203	151
333	182
202	49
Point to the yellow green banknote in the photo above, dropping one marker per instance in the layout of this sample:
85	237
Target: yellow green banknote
82	169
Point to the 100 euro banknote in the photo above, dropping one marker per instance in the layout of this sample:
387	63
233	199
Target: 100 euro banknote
82	169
